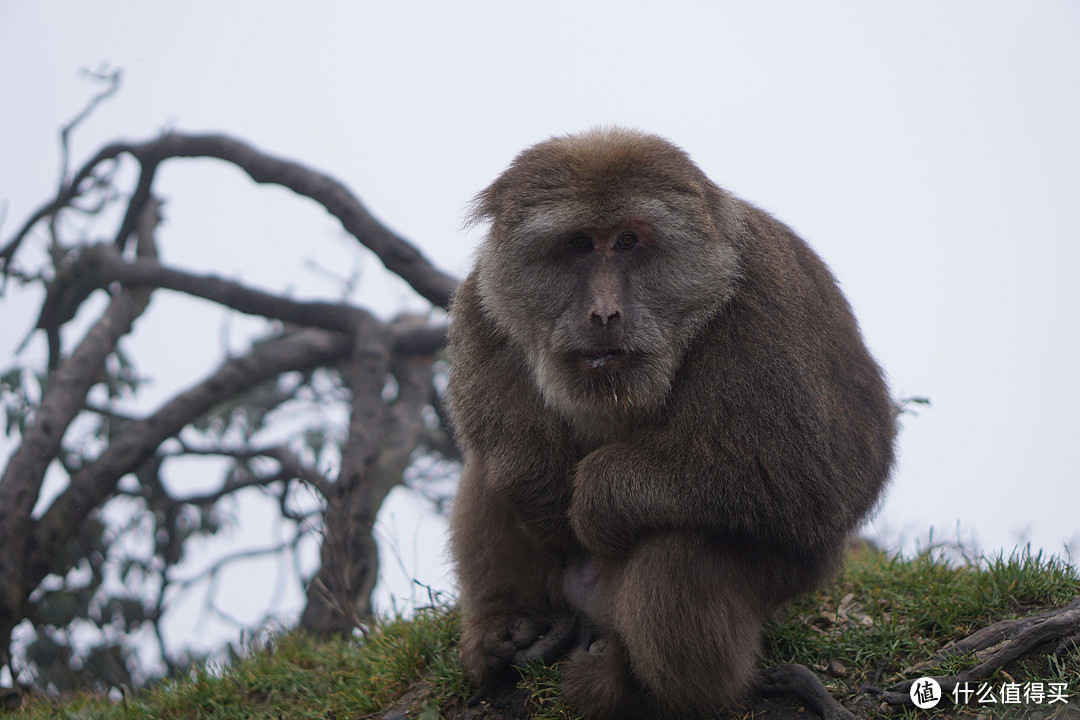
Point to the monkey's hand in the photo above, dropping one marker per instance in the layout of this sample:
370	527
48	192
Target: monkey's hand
601	516
491	643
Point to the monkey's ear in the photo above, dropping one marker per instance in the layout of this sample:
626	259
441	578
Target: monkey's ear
497	199
481	208
507	195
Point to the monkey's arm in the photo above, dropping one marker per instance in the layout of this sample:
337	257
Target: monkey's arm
624	490
749	450
506	581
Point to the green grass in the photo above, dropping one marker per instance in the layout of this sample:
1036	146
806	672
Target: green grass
297	676
885	614
881	615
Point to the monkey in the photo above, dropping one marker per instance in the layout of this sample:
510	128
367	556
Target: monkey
669	423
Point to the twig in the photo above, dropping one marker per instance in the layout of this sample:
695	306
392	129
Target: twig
112	80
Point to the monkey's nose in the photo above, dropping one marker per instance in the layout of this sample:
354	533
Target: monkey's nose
605	315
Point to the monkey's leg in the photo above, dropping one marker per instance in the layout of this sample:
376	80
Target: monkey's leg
507	585
685	635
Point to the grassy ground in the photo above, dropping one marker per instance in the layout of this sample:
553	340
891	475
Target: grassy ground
885	615
882	616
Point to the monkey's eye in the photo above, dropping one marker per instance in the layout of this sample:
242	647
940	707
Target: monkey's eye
626	241
581	243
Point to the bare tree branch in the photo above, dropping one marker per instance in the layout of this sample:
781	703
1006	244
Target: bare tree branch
68	194
107	265
96	481
20	484
290	467
396	253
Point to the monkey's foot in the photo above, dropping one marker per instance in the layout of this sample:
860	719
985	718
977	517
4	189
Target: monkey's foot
598	683
798	680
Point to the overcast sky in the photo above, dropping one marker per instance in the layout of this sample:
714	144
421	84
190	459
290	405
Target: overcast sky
929	151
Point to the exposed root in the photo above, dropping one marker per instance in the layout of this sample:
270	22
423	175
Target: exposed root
997	646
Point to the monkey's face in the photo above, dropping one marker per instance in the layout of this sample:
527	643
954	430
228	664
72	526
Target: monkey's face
606	255
596	322
605	311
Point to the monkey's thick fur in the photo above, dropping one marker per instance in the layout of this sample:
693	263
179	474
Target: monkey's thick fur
669	420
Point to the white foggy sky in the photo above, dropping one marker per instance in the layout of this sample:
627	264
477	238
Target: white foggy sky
929	151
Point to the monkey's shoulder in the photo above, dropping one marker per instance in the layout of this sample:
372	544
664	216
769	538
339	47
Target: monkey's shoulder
490	390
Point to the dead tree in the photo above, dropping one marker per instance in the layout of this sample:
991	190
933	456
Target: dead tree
362	353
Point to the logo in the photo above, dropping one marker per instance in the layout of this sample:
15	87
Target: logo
925	693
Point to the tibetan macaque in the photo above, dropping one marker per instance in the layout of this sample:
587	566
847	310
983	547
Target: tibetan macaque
669	421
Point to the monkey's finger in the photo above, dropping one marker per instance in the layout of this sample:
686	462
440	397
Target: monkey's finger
525	631
553	645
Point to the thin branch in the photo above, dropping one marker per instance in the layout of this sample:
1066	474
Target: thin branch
210	498
105	265
68	194
293	467
112	80
216	567
290	467
109	413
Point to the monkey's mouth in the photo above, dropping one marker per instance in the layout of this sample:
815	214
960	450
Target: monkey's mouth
598	360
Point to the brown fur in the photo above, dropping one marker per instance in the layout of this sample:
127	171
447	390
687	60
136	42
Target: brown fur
667	439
